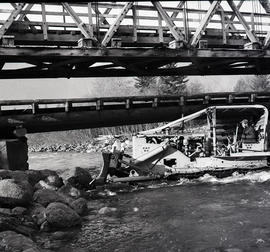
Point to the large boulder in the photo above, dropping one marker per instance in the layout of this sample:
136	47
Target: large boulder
54	180
60	215
34	176
47	196
11	241
37	212
79	205
78	177
18	225
15	193
71	191
17	175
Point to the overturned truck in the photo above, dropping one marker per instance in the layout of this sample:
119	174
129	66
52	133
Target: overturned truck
209	141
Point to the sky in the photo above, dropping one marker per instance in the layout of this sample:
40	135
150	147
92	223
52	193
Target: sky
92	87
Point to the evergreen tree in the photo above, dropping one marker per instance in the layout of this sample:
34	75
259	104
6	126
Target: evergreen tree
260	83
144	82
194	88
172	85
242	86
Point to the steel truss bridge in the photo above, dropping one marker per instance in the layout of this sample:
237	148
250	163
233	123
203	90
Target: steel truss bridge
98	39
56	115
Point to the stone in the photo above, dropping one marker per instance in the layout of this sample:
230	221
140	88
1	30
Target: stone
60	215
11	241
78	177
43	185
16	175
34	176
19	211
37	212
79	205
61	235
45	226
17	225
14	193
107	210
54	180
46	196
71	191
5	211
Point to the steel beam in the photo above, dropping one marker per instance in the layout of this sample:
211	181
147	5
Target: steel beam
205	21
23	16
115	25
172	27
266	6
250	35
81	25
230	20
11	19
179	5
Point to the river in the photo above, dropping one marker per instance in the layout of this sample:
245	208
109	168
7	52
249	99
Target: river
208	214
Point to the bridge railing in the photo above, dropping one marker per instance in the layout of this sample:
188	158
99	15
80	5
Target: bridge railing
12	107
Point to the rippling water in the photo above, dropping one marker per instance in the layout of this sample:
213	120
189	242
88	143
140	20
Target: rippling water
207	214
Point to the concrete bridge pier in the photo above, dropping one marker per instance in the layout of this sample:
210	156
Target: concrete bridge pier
14	152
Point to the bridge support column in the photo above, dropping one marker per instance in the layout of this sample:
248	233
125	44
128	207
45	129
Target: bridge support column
14	154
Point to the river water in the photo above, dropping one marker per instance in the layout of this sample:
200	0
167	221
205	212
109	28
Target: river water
208	214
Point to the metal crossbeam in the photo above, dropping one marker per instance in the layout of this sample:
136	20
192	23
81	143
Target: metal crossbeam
250	35
173	28
266	6
23	16
114	26
230	25
180	5
81	25
205	21
11	19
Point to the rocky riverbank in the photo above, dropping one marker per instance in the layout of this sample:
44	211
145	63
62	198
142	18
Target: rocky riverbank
99	144
40	210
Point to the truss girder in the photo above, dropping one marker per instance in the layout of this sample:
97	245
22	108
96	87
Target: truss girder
205	21
81	25
132	42
11	19
115	25
169	22
243	22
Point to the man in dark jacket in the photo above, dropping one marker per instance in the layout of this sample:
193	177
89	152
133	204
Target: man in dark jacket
248	134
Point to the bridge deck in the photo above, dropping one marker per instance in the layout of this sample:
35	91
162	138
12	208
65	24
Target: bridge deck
61	114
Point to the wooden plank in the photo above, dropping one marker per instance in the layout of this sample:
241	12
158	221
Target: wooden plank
160	30
90	20
135	23
224	33
44	23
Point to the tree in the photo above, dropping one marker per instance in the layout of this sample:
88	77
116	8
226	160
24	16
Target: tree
260	83
172	85
164	85
195	87
144	82
242	86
